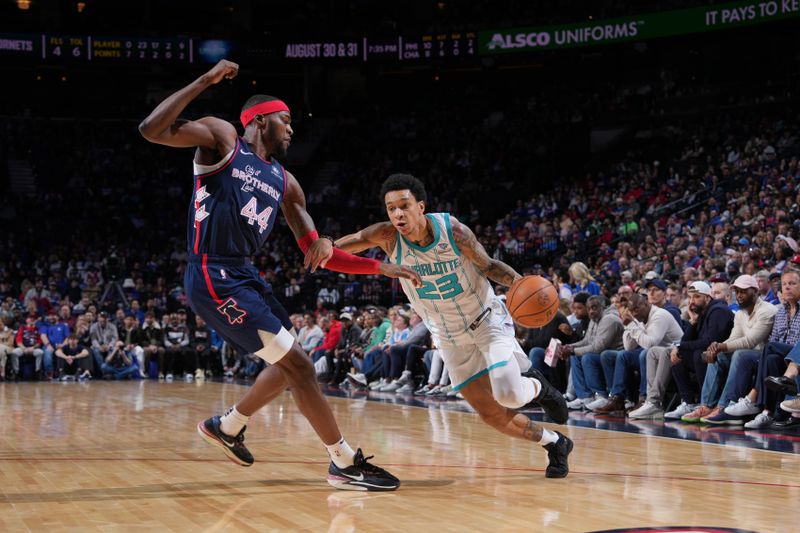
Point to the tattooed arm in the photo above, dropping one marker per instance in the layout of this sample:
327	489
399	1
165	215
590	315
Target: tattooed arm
381	234
493	269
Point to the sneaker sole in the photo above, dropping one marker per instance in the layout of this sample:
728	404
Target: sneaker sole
723	422
214	441
776	387
647	417
343	483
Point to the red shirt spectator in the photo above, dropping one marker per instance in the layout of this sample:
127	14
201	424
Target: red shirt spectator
28	336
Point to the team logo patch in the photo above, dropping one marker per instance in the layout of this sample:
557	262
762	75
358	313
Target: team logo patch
443	246
233	313
201	194
201	214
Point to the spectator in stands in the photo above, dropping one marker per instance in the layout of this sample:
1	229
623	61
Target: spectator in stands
579	321
765	288
406	355
65	316
73	361
252	365
297	324
176	348
675	296
366	322
231	361
83	332
604	333
104	337
132	340
399	333
657	295
373	351
332	329
28	344
152	342
39	296
118	363
340	361
578	316
206	345
328	296
646	326
438	377
54	336
311	335
721	290
788	384
119	319
762	400
709	321
137	312
6	347
735	361
581	279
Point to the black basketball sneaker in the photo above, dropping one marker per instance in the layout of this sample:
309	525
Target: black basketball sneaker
361	476
549	398
232	446
557	453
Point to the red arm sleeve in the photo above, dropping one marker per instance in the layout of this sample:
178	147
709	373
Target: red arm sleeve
341	260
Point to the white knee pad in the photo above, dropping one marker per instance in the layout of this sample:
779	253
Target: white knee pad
509	388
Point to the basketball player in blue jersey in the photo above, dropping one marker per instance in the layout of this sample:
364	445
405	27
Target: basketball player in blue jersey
239	187
469	324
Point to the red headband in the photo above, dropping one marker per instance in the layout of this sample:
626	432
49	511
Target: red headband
264	108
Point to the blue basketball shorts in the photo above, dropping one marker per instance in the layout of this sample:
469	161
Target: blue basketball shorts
232	298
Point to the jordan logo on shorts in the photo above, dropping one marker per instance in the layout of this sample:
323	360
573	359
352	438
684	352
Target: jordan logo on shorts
234	314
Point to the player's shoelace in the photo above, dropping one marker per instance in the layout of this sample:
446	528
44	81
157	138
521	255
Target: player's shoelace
359	461
238	440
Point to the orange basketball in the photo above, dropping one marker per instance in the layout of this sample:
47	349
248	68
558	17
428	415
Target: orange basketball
532	301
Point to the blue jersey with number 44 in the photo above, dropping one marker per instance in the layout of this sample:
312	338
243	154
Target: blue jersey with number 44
235	203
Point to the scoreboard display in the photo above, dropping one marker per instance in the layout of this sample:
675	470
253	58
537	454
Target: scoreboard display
397	48
18	45
81	48
107	50
156	50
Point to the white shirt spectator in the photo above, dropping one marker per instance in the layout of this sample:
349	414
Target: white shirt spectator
661	329
751	330
310	337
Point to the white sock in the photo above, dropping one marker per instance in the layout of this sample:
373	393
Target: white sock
232	422
548	437
341	453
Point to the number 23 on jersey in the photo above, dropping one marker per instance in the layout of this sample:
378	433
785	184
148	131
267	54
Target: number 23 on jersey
442	288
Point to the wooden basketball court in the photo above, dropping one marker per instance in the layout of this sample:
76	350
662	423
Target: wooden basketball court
126	457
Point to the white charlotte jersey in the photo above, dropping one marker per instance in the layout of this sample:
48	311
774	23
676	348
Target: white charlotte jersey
454	294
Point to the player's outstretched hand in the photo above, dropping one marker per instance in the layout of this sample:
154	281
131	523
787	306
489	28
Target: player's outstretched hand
223	70
398	271
318	255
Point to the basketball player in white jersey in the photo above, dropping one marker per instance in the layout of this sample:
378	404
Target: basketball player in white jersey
470	325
